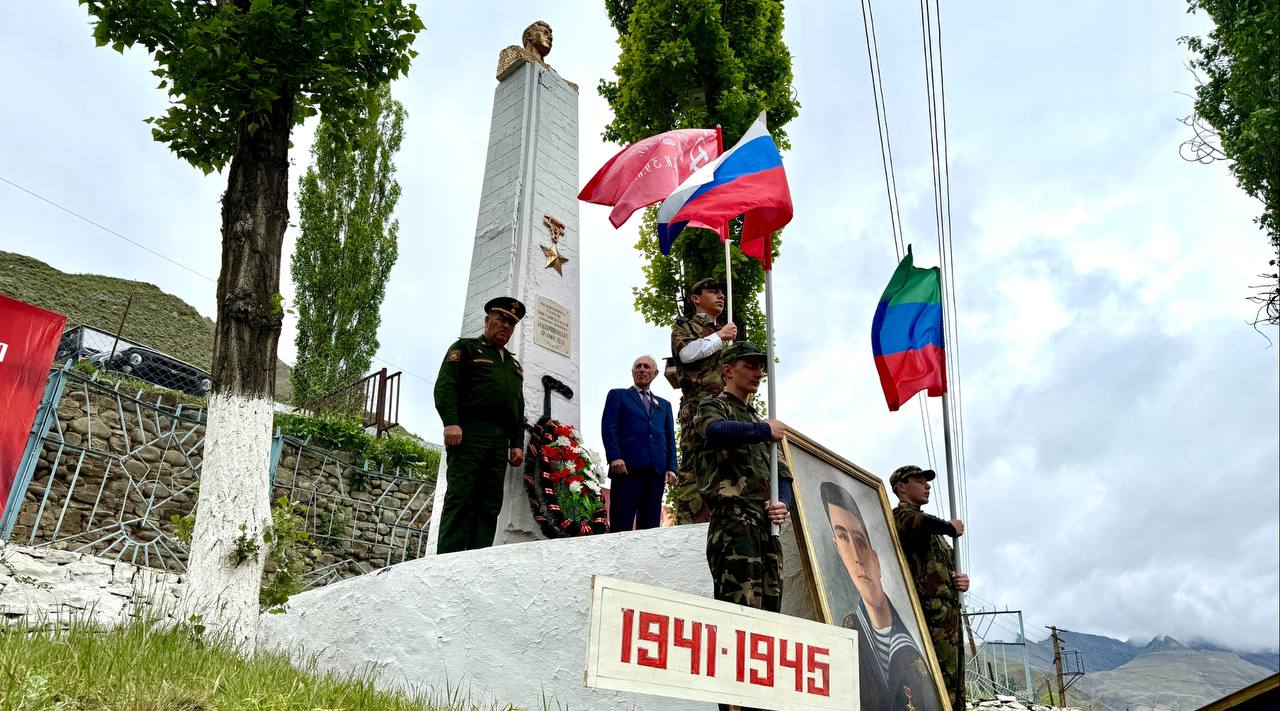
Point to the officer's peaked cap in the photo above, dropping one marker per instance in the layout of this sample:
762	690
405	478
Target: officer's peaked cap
506	307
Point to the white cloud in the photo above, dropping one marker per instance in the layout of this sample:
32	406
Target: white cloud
1120	416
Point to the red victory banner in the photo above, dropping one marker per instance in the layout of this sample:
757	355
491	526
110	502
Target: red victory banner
28	339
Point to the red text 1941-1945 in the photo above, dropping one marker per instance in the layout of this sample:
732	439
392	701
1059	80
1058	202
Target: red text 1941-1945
655	640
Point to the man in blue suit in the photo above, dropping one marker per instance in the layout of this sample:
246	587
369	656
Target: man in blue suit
640	443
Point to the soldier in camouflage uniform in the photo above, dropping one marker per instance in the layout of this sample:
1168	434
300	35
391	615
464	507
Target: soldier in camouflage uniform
730	445
696	342
932	561
480	397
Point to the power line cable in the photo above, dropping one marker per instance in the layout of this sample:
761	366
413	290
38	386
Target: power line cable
891	183
108	230
939	152
961	448
175	262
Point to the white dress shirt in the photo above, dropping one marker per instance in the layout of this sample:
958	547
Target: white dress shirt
701	348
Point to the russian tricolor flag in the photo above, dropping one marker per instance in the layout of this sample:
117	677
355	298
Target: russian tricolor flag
906	334
747	180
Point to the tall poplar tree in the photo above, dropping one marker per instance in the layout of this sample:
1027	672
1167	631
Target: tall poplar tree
696	64
240	75
346	247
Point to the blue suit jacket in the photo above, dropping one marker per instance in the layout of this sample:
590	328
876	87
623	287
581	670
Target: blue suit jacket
639	439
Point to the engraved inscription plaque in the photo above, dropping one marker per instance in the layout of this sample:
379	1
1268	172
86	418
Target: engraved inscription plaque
553	326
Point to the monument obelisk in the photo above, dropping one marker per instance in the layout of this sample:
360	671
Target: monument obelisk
526	244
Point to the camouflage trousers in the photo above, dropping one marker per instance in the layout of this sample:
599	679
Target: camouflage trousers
686	492
942	616
745	560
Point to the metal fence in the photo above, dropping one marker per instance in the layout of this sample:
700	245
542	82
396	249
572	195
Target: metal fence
375	399
106	472
997	661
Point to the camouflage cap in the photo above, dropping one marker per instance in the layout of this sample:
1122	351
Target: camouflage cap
901	474
743	349
507	307
707	283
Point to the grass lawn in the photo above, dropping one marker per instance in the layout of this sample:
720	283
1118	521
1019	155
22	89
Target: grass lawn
144	667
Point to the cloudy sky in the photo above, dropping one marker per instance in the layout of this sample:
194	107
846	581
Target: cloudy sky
1121	415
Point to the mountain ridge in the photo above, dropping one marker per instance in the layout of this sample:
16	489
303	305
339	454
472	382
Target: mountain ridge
155	318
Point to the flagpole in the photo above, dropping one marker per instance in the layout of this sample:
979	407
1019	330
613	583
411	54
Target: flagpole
728	281
946	439
728	266
773	391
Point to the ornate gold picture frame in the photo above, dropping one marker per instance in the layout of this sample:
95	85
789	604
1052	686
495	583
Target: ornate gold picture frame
861	577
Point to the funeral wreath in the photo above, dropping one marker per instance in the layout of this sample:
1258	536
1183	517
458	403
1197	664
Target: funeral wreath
563	486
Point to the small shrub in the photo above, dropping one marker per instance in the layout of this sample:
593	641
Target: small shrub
286	540
346	434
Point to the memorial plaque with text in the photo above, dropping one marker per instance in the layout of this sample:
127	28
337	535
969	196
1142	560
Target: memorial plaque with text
553	324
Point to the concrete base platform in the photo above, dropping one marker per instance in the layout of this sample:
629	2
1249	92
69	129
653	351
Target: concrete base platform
506	625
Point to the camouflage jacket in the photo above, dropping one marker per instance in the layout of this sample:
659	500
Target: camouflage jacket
740	472
701	377
927	551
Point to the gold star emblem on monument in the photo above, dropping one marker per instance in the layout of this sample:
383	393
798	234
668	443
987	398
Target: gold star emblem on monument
554	259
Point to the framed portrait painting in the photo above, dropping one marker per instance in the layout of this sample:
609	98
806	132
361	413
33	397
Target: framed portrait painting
845	527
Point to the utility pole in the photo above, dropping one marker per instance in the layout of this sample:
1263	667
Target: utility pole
119	330
1057	665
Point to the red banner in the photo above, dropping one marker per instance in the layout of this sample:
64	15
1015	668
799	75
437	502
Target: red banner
28	339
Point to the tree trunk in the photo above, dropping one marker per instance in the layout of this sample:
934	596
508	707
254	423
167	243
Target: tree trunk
225	567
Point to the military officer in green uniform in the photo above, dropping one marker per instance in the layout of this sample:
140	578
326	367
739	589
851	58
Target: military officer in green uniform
730	446
932	562
480	398
696	343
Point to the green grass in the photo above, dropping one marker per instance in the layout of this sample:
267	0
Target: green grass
156	319
142	666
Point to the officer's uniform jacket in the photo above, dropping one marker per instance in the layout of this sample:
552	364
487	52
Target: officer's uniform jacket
480	382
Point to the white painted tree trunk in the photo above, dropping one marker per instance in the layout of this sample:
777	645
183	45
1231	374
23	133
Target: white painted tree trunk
234	492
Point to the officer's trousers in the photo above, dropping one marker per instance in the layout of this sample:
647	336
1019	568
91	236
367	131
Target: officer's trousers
476	474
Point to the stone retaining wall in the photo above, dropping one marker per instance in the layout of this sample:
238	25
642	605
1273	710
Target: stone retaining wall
43	586
115	469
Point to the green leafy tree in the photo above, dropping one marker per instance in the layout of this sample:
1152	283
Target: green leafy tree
1240	98
698	64
240	75
346	247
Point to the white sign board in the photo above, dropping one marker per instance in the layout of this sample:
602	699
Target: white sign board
655	641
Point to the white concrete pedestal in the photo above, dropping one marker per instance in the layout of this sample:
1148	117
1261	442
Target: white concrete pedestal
506	624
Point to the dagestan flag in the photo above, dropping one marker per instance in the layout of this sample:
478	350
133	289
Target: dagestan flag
907	335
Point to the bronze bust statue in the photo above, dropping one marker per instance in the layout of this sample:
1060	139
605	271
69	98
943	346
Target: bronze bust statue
536	41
